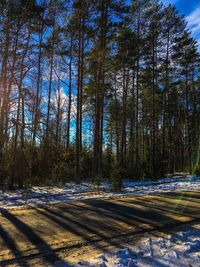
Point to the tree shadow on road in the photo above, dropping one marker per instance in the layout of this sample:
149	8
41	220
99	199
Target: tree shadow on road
99	223
44	249
11	244
82	227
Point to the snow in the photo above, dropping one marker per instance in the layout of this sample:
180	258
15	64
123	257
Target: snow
155	250
86	190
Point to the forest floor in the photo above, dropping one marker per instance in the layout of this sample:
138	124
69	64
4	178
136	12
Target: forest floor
160	229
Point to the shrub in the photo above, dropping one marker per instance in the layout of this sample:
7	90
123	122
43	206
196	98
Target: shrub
116	178
197	170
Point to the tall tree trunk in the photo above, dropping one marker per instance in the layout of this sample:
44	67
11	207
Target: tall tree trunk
3	87
99	108
69	94
81	77
153	107
123	134
188	122
11	80
78	103
50	88
36	106
165	102
137	91
132	121
58	117
116	121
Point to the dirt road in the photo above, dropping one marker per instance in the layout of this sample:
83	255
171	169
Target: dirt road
98	224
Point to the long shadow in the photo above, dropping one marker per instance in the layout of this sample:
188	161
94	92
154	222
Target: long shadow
183	194
172	209
155	218
173	199
94	222
106	214
128	214
11	244
68	224
169	201
170	198
185	197
134	213
72	225
46	251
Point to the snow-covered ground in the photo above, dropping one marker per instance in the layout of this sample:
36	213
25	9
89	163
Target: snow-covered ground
159	250
73	192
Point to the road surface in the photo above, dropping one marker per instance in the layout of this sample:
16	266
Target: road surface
67	228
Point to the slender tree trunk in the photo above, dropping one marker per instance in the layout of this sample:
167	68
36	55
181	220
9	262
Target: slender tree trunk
3	88
50	89
36	111
78	103
188	123
137	91
58	117
116	121
153	109
123	134
165	100
69	94
81	77
11	79
99	108
132	121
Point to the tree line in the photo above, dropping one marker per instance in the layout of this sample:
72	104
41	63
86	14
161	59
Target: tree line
96	89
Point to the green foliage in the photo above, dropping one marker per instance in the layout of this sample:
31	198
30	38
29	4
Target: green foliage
116	178
42	166
197	170
85	163
97	182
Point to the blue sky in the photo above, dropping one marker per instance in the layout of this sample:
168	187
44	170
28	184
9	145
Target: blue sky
191	9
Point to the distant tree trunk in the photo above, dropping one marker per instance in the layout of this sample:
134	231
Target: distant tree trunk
99	108
11	79
20	104
188	122
132	121
137	91
165	101
58	116
3	87
116	121
36	106
20	124
195	112
123	134
101	133
81	77
198	152
69	94
50	88
153	106
78	102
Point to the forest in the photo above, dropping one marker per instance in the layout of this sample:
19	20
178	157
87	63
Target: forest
106	89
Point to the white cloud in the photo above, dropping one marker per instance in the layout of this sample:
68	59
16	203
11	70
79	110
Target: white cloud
193	20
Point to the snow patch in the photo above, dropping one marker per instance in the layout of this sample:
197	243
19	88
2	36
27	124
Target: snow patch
169	250
72	192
